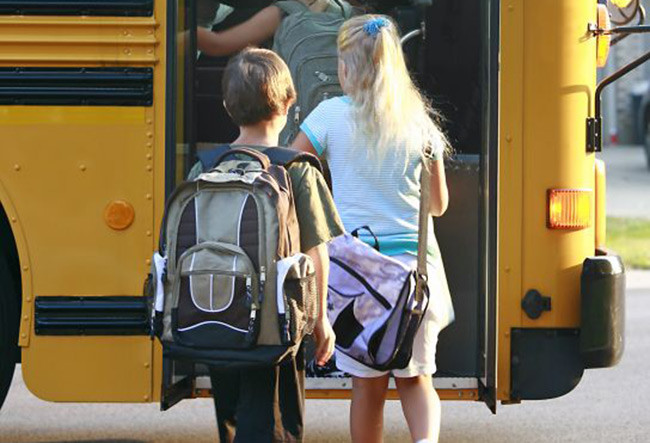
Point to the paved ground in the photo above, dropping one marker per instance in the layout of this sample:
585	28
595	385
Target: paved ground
608	405
628	181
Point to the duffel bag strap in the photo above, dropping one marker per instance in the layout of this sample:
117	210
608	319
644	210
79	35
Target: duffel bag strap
423	227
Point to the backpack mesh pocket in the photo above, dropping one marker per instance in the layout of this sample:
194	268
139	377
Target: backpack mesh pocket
298	304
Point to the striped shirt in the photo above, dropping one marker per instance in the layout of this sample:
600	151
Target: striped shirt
382	193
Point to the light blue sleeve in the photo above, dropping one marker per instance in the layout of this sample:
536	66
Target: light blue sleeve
315	127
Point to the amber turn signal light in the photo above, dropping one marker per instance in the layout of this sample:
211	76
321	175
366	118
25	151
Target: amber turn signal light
569	208
604	39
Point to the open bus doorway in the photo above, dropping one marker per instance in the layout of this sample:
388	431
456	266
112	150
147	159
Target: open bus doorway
455	65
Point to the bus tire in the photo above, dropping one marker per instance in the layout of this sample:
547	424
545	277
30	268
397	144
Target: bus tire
9	320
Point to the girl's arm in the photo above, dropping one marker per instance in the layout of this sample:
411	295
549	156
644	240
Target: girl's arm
439	192
303	144
253	31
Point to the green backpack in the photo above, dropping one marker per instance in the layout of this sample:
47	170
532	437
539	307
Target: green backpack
306	41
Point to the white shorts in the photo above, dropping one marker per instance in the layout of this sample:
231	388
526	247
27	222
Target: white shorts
423	360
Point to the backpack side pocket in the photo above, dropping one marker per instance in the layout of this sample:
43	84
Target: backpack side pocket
297	297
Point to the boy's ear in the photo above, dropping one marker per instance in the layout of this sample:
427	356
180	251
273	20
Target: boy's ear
285	108
226	108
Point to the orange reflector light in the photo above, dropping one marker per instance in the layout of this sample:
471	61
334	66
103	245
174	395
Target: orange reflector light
119	215
603	40
569	208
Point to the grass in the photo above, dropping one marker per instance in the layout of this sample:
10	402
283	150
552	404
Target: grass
630	238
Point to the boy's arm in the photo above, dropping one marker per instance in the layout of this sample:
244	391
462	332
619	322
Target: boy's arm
323	332
253	31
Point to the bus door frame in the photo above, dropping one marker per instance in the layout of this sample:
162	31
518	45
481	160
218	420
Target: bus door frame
489	202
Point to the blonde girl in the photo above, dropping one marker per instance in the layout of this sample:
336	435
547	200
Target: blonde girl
375	139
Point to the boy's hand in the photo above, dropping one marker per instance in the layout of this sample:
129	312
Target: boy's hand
324	337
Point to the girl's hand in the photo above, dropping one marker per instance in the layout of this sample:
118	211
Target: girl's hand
324	337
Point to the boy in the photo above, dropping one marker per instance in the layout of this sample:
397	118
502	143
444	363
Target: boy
267	404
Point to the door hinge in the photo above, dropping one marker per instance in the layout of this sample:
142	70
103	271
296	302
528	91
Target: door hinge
594	134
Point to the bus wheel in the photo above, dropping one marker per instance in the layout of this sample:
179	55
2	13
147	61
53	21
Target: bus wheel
646	143
9	316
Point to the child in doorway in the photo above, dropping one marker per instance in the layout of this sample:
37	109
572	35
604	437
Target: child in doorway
376	139
267	404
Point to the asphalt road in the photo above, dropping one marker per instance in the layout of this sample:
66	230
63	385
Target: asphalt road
608	405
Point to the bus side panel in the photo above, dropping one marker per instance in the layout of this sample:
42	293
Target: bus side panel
559	80
62	166
548	79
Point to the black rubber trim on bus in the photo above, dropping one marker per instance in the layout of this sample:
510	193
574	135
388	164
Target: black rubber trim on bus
76	86
102	315
544	362
118	8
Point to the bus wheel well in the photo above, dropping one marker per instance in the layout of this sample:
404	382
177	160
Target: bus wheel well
9	254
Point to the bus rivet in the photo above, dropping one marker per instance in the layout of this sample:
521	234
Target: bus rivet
23	335
149	121
148	196
149	168
13	219
511	8
25	268
149	145
16	167
507	269
125	32
150	32
82	167
28	298
508	138
146	398
148	233
127	51
149	156
150	134
146	364
26	317
149	51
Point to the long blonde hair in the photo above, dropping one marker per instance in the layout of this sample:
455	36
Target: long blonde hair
389	110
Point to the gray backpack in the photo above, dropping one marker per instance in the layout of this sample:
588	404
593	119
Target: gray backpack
230	285
306	41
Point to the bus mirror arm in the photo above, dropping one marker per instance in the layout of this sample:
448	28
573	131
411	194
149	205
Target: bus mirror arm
594	124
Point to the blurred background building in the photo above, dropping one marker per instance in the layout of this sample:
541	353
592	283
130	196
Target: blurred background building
625	100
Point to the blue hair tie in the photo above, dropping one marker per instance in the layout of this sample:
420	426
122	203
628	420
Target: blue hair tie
374	25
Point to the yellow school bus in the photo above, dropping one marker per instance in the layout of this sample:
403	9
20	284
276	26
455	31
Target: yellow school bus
103	105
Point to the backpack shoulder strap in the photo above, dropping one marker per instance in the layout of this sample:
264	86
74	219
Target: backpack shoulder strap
208	157
346	9
292	7
286	157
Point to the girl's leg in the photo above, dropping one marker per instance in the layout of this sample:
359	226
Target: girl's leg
367	409
421	406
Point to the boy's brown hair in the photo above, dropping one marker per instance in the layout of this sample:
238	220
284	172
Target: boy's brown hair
256	85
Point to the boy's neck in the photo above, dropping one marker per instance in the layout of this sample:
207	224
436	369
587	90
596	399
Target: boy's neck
260	134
